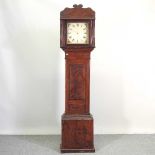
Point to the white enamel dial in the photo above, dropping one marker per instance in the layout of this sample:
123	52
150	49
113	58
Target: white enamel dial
77	33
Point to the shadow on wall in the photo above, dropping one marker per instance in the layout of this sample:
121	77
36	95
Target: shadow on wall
30	69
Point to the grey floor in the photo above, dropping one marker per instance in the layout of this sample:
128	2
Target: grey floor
104	144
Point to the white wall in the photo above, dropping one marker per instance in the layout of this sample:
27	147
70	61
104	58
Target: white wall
32	66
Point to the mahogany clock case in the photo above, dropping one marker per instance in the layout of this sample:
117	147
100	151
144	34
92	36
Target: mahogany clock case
77	122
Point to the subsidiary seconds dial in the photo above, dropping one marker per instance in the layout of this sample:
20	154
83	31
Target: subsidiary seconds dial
77	33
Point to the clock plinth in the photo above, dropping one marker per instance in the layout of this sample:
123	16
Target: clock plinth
77	133
77	41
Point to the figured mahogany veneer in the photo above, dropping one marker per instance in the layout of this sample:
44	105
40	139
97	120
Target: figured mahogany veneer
77	82
78	135
77	122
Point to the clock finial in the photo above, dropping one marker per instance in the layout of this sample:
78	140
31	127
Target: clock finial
77	6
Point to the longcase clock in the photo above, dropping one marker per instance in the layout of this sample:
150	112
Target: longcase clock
77	39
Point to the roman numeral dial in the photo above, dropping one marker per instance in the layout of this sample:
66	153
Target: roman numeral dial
77	33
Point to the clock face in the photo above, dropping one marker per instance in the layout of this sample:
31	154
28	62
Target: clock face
77	33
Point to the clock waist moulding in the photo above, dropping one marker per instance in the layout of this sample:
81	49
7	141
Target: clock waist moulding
77	40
